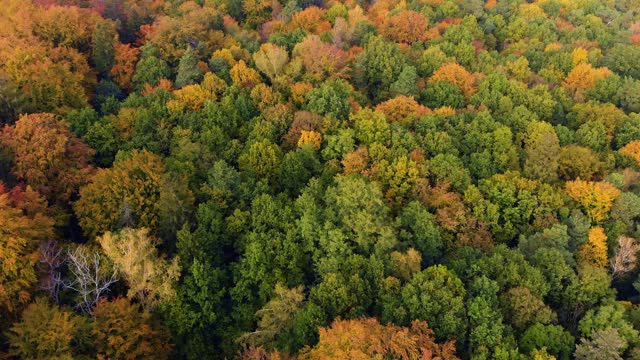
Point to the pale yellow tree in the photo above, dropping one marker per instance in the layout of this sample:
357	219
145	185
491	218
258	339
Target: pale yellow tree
149	276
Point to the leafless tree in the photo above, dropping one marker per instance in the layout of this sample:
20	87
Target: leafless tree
51	258
91	277
625	257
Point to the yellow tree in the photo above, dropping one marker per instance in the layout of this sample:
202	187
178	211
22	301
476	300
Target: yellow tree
594	251
582	78
632	149
150	277
596	198
244	76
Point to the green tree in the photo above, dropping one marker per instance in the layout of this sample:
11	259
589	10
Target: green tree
188	71
554	338
102	50
406	84
47	332
436	295
542	149
379	66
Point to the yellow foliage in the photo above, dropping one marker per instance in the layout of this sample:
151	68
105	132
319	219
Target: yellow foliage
531	11
582	78
578	56
553	47
244	76
445	111
632	149
596	198
312	138
191	97
594	251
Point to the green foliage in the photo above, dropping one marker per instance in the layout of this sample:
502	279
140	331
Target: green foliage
188	71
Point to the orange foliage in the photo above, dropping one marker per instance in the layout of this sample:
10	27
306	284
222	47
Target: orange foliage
407	27
312	19
299	92
449	208
582	78
632	149
368	339
456	75
47	155
126	58
163	84
596	198
402	108
356	162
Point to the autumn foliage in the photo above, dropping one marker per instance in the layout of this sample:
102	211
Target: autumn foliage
367	338
596	198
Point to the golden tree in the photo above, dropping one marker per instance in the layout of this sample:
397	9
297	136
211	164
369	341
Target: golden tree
596	198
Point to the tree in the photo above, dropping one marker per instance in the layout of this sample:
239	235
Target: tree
404	109
542	149
188	71
604	344
149	69
596	198
380	64
406	26
436	295
48	156
102	47
91	276
262	159
625	257
621	58
558	341
331	98
135	191
366	338
582	78
611	315
594	251
150	278
276	316
244	76
271	59
126	58
632	149
321	60
23	225
121	330
578	162
47	332
406	84
522	309
456	75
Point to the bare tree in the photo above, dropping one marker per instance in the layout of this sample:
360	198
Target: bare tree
51	258
625	257
92	276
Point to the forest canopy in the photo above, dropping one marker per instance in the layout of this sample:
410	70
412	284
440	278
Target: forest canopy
320	179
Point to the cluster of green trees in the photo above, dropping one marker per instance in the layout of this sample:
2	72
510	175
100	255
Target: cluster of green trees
324	179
